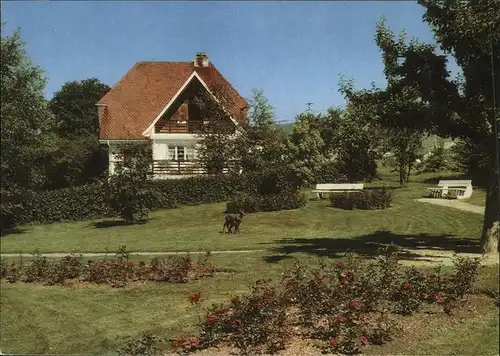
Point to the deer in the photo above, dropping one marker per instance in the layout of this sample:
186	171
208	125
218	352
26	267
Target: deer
233	221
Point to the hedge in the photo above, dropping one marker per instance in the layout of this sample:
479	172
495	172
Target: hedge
271	202
380	198
76	203
88	201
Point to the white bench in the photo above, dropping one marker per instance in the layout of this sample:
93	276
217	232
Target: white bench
461	188
336	188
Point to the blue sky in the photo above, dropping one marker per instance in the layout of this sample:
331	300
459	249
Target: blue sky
294	51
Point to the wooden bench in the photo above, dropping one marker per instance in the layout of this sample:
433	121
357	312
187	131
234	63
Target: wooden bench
462	189
322	189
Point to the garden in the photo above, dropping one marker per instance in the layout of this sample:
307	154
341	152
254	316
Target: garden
129	265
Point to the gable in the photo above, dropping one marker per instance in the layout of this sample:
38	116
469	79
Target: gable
184	111
139	98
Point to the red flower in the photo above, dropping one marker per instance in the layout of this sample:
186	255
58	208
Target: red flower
237	322
130	264
364	340
439	298
333	341
177	341
187	265
212	319
67	257
406	285
236	300
354	304
195	342
194	298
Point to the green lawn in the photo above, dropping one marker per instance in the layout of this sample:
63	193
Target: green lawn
194	228
97	320
100	319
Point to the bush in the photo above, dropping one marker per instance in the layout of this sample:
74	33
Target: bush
439	159
89	201
273	202
130	196
256	322
329	173
116	272
380	198
343	305
76	203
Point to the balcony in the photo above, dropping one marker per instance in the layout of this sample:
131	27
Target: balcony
174	126
178	168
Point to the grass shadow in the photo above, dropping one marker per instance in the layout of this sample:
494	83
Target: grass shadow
275	258
113	223
370	245
12	231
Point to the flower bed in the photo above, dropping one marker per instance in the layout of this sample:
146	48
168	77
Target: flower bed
116	272
339	307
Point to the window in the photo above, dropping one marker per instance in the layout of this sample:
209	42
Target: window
189	153
171	153
180	153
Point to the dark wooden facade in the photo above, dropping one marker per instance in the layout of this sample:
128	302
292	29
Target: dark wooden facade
184	116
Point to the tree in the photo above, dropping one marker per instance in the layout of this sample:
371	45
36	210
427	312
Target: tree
128	191
438	158
260	144
216	150
406	144
461	107
78	158
74	107
74	162
470	31
358	136
306	147
26	126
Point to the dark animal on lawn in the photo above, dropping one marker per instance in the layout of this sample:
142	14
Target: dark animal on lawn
233	221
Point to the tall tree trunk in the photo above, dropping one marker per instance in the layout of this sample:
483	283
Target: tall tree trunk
490	236
408	172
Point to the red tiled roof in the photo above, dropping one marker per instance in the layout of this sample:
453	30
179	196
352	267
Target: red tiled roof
139	97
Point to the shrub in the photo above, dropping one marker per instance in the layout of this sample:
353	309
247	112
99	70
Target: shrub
256	322
75	203
380	198
345	305
116	272
272	202
438	159
146	345
329	173
88	201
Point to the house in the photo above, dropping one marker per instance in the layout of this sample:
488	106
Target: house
154	103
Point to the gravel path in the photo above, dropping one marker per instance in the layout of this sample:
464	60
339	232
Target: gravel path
427	256
457	204
102	254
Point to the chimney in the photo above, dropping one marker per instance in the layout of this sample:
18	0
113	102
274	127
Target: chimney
201	59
